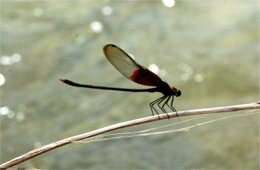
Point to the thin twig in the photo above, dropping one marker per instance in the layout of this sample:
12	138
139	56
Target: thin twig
147	132
57	144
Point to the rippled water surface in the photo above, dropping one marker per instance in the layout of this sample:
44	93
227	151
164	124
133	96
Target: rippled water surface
208	49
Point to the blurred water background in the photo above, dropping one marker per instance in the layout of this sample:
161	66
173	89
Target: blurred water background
207	49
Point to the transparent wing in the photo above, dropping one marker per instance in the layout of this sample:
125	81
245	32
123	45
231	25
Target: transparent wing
129	67
120	60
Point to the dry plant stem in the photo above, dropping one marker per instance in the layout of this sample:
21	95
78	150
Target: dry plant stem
51	146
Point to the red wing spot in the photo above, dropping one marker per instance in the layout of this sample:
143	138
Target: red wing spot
145	77
133	76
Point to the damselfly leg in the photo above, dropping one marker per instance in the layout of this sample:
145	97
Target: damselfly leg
153	103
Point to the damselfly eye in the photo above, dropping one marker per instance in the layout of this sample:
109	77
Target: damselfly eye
178	93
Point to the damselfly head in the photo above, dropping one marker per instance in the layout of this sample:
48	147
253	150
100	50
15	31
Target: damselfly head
176	92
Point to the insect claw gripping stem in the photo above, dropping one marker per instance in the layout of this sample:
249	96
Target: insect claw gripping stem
173	109
152	108
166	103
152	105
158	103
162	109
